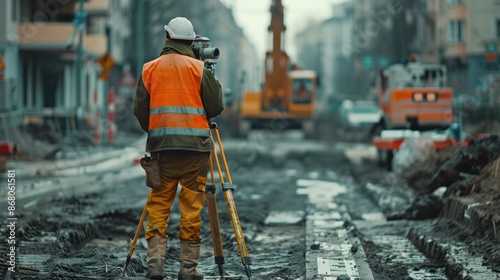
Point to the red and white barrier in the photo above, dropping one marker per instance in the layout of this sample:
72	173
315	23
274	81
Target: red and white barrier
111	115
97	129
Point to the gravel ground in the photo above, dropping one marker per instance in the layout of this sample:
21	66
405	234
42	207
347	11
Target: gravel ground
83	233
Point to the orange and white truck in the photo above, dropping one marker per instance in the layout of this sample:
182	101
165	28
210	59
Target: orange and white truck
414	98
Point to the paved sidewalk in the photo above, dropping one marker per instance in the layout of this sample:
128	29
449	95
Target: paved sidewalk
82	160
81	167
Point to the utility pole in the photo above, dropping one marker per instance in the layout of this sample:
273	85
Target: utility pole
80	21
106	86
140	36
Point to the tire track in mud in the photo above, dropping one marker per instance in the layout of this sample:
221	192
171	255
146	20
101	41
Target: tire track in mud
389	251
53	240
85	236
275	247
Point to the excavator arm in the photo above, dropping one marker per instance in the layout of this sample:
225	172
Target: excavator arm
276	63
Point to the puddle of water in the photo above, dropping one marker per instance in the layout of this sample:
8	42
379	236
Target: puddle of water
400	250
325	216
377	216
426	274
319	192
472	263
319	186
284	217
328	224
357	154
255	196
313	175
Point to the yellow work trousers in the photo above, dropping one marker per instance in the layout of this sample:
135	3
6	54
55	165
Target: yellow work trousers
188	169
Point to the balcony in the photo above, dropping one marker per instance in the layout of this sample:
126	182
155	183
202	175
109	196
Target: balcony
457	11
456	50
57	36
95	6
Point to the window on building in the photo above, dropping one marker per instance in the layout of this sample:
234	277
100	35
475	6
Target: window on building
498	28
96	25
457	31
13	6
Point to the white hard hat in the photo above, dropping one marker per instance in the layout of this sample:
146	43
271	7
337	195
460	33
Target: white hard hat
180	28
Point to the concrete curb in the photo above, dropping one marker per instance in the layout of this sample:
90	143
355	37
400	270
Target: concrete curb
458	264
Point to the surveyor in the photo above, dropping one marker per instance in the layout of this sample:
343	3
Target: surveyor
175	97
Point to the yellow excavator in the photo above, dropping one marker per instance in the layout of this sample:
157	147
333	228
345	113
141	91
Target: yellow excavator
287	97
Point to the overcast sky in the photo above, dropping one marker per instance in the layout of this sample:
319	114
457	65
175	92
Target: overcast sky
254	17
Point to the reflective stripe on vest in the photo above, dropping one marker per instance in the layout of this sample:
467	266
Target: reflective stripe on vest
173	82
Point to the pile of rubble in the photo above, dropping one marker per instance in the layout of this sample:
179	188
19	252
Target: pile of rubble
468	175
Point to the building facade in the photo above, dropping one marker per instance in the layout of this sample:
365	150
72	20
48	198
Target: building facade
50	49
466	32
9	66
338	51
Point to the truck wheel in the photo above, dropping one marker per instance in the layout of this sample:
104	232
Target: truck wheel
380	158
388	160
309	129
244	128
384	159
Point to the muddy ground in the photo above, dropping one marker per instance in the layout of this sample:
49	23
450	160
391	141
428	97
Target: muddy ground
83	234
459	175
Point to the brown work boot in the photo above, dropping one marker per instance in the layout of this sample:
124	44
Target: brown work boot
157	246
190	254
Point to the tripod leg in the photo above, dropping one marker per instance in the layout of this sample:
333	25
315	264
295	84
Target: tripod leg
238	231
233	213
213	215
215	227
136	237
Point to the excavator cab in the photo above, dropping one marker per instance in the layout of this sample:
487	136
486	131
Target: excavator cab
303	93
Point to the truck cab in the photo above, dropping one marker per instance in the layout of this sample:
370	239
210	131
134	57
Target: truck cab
414	96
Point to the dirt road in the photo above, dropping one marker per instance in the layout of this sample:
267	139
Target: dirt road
299	202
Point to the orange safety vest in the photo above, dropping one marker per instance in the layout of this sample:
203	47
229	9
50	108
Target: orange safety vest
175	107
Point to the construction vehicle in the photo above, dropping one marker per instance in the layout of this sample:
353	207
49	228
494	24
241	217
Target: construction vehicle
287	97
414	98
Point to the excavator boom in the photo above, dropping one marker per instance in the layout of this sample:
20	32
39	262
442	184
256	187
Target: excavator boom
287	96
276	64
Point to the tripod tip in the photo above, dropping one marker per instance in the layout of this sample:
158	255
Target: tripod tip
248	271
124	270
